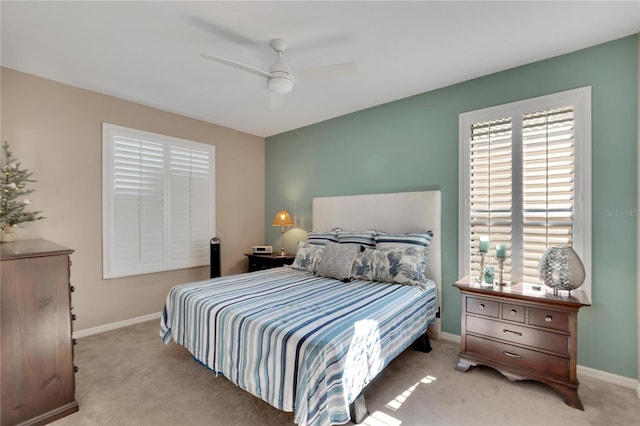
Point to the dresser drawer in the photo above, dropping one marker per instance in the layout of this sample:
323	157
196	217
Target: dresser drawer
513	312
513	333
549	319
483	307
515	356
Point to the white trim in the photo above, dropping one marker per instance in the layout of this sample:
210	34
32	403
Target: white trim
115	325
448	337
615	379
580	98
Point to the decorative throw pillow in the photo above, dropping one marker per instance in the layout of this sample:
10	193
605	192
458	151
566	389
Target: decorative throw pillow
307	257
403	240
402	265
366	239
337	260
363	265
321	238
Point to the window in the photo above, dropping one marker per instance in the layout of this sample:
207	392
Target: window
525	182
158	202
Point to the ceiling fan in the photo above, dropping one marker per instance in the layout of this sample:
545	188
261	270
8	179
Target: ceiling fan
280	78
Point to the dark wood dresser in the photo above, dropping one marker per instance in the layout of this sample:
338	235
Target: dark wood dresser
258	262
38	383
523	333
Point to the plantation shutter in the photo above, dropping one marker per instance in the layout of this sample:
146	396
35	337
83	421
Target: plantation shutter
491	195
189	212
548	184
138	206
158	202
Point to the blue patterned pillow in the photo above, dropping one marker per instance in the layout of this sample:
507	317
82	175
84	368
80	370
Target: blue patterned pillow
307	257
363	265
402	265
337	260
366	239
404	240
321	238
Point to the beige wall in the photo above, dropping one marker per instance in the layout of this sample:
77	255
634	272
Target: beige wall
55	130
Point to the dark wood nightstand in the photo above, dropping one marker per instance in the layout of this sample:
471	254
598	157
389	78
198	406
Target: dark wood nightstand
258	262
523	333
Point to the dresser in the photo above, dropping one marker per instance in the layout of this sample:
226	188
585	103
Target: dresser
37	371
258	262
522	332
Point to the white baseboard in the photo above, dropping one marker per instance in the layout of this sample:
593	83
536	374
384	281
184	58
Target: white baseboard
581	370
115	325
450	337
627	382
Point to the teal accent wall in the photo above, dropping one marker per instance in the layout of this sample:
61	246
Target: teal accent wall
412	144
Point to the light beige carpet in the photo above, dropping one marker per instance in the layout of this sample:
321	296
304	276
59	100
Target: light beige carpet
129	377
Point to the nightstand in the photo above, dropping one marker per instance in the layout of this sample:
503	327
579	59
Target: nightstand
258	262
524	333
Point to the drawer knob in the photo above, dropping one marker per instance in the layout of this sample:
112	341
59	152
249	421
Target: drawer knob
548	318
75	369
513	312
73	317
481	306
72	288
75	342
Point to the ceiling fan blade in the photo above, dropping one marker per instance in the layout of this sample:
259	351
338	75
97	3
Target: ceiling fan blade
326	71
223	32
237	65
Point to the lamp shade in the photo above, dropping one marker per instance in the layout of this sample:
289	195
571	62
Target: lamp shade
283	219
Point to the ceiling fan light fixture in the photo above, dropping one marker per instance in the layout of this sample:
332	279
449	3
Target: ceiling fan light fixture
280	85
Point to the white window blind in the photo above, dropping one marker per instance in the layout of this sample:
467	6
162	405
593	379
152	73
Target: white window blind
547	184
525	182
490	187
158	202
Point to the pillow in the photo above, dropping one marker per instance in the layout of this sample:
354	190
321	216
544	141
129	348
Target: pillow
401	265
363	265
321	238
307	257
366	239
337	260
403	240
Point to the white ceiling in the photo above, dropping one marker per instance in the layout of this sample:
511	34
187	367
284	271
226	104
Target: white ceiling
149	52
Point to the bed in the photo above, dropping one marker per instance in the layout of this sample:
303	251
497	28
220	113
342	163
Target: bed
306	343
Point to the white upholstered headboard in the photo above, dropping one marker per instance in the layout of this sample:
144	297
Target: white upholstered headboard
398	212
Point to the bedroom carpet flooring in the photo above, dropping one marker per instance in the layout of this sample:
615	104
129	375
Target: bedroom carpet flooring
129	377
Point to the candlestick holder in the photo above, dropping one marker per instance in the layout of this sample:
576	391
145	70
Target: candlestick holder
501	269
482	255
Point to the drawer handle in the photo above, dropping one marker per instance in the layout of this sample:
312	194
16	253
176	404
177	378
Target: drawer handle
513	312
73	317
75	342
517	333
75	369
72	288
512	355
481	307
548	318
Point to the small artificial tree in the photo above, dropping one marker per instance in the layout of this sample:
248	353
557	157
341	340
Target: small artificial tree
13	185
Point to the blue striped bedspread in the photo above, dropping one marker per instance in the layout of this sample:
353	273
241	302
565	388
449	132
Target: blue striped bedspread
301	343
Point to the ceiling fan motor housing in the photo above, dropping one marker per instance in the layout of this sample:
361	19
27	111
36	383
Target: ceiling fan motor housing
279	82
